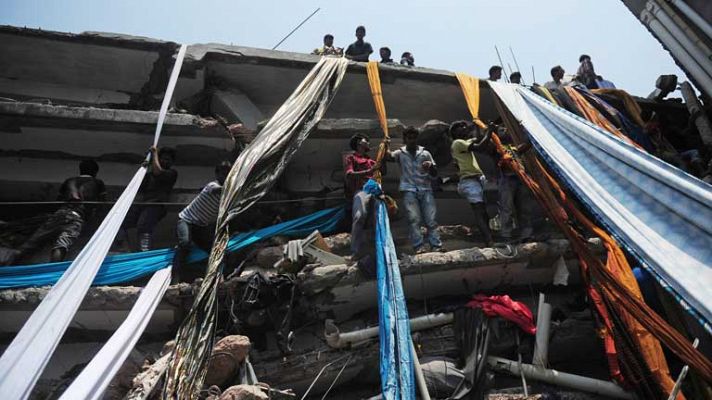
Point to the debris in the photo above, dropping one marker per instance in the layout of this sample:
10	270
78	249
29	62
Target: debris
244	392
226	358
561	272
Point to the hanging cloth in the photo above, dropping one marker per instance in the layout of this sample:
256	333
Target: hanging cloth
594	165
396	358
252	175
24	360
96	376
374	82
127	267
471	90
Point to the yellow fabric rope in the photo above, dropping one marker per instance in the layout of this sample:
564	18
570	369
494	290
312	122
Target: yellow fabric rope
374	82
471	90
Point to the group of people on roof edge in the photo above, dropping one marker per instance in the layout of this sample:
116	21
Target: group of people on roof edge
585	75
360	50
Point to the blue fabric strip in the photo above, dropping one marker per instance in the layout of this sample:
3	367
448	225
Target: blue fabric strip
127	267
396	361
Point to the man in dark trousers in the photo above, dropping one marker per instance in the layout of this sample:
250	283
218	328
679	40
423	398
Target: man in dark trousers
65	225
196	223
359	50
155	188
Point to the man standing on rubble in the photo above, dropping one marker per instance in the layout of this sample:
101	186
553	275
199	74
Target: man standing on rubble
417	170
359	167
196	223
155	188
65	225
471	185
359	50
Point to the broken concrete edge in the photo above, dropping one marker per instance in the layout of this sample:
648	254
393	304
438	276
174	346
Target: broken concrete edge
323	278
109	115
96	38
311	281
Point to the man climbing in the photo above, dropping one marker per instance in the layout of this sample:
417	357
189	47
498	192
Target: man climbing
155	188
471	176
65	225
328	49
417	169
359	50
557	74
495	73
585	73
196	223
385	54
359	167
513	194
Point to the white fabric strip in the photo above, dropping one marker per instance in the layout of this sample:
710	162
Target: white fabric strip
24	360
97	375
659	213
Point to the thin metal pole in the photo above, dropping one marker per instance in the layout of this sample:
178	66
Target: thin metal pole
681	377
501	64
516	63
533	76
295	29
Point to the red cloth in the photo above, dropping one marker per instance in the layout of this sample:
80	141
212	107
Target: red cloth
505	307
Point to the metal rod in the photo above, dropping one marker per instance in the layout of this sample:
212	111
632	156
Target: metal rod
295	29
521	370
681	377
501	64
516	64
419	377
533	77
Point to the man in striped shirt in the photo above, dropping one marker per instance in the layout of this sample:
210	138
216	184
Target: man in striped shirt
196	223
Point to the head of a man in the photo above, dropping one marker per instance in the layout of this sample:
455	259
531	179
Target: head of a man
166	156
385	53
88	167
360	144
328	40
360	32
584	57
407	58
495	73
410	138
515	77
222	170
557	73
460	130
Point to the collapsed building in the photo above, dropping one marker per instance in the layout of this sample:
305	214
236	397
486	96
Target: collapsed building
67	97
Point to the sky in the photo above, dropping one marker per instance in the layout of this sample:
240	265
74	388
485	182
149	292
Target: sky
456	35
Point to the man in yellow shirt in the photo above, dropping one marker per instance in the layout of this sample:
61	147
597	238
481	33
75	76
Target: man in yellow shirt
471	176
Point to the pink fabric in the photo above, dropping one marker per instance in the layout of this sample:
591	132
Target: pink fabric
505	307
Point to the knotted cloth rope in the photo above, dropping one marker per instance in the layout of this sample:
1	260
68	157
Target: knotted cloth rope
252	175
374	82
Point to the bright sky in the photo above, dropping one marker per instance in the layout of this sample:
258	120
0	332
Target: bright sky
456	35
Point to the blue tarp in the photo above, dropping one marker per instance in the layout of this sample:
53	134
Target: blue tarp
127	267
397	379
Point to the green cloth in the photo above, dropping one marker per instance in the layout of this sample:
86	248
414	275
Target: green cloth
466	161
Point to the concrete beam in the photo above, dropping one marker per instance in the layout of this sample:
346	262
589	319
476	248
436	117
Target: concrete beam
236	106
